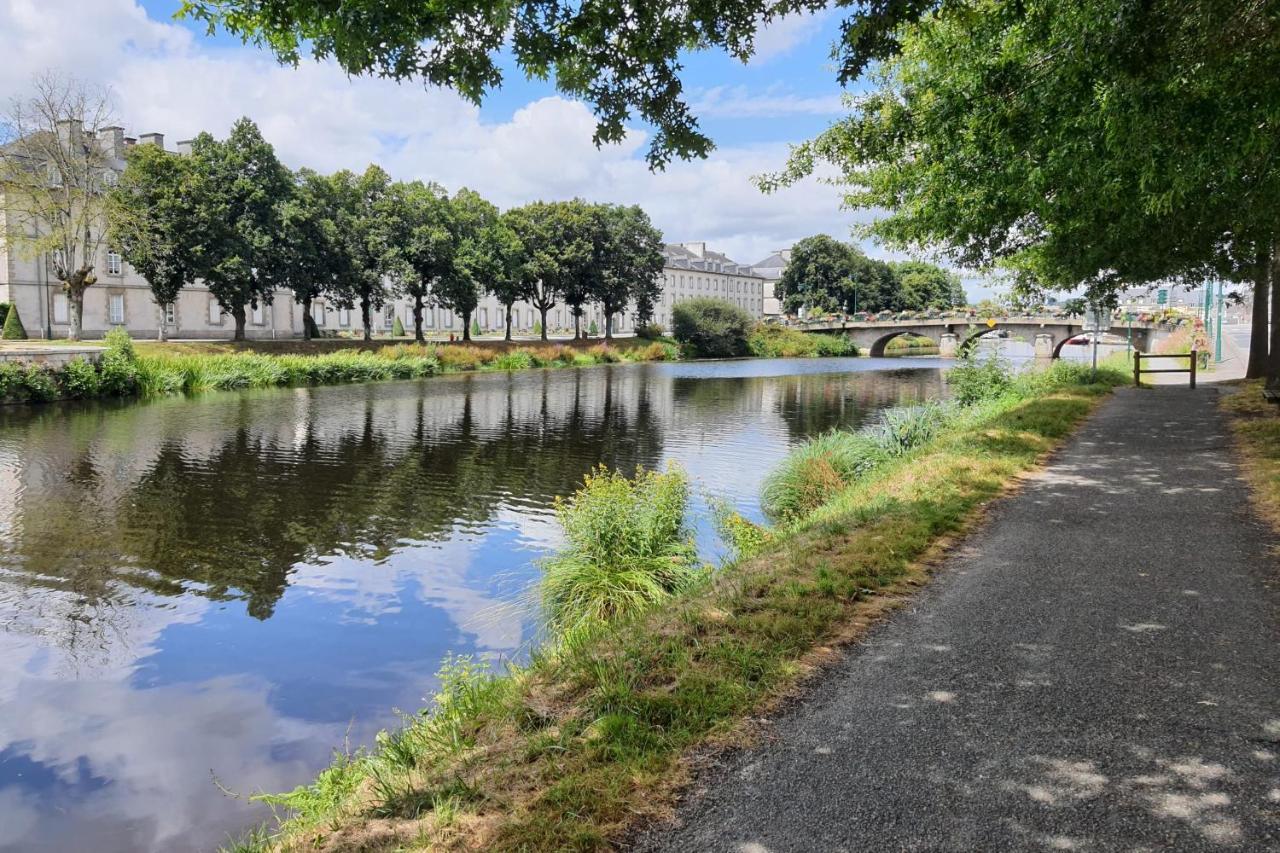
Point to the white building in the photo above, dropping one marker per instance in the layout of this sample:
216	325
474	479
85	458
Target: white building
691	271
771	270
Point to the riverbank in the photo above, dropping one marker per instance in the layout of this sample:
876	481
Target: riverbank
130	368
1255	424
592	735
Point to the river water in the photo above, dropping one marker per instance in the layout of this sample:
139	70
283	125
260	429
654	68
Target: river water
214	593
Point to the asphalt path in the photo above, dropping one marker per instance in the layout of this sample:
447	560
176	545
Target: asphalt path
1098	668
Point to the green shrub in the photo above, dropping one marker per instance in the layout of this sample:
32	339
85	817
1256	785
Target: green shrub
397	328
593	329
475	328
975	381
12	329
41	383
904	428
4	309
518	359
12	381
772	341
711	328
119	366
649	331
537	328
80	379
628	547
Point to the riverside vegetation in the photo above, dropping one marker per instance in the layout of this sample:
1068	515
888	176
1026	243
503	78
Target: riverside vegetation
648	655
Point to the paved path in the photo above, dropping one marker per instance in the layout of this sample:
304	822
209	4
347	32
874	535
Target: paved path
1097	669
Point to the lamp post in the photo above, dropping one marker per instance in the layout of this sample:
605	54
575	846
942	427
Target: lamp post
1217	334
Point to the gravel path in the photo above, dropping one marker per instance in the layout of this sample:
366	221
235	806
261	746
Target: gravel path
1097	669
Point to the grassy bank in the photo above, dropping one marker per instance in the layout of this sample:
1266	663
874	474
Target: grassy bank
129	369
1256	426
589	738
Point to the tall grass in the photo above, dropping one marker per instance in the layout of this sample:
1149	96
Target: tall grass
628	548
770	341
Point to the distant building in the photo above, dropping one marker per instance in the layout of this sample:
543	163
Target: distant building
692	270
771	269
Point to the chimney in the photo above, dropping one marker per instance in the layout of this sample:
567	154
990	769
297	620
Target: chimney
698	249
129	140
69	131
156	139
184	146
113	141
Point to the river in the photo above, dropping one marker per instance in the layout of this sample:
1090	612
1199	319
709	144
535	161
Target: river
199	594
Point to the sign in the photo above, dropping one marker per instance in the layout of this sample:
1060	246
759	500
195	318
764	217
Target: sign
991	324
1162	296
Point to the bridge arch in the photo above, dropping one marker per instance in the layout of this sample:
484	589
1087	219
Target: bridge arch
878	346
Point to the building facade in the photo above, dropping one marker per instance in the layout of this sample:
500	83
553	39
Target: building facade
771	270
691	271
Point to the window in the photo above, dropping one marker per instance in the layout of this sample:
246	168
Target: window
115	308
215	312
317	313
258	316
344	317
429	318
170	315
115	264
484	317
389	317
61	308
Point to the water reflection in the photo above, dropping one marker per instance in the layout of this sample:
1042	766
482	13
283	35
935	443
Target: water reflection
229	586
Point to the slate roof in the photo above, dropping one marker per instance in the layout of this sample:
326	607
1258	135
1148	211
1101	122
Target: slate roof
679	257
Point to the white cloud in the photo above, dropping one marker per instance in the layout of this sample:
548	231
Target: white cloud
774	102
785	34
315	115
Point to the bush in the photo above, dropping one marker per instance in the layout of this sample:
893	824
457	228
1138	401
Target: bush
593	329
4	309
904	428
818	470
12	329
711	328
773	341
41	383
475	328
518	359
119	366
976	381
628	548
656	351
397	328
12	381
80	379
649	331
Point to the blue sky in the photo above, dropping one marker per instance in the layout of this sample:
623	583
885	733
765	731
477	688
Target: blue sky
524	143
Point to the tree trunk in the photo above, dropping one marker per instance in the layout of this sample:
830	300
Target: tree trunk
160	327
608	326
307	323
466	325
237	314
577	324
417	320
508	337
75	310
365	319
1258	343
1273	362
543	312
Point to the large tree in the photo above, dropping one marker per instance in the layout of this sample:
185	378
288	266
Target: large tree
1101	143
56	158
472	223
360	221
240	187
153	218
924	285
629	258
827	275
420	242
557	242
307	256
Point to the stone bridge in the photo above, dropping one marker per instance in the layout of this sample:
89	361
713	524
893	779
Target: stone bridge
955	335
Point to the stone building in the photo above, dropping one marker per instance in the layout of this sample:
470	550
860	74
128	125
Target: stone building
692	270
771	270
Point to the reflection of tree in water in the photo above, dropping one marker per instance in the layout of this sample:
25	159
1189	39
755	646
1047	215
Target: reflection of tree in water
815	403
228	515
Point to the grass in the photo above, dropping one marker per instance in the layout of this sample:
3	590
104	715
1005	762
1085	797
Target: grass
773	341
910	342
590	737
1255	424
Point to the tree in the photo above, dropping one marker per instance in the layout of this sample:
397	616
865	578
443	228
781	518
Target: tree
12	328
153	219
361	225
711	328
629	259
474	257
55	158
239	188
556	238
419	241
307	255
825	275
1093	142
508	277
924	285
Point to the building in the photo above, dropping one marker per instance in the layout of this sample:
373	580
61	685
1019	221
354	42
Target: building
771	270
691	270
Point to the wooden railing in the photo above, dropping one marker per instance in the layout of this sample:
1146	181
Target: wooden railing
1138	369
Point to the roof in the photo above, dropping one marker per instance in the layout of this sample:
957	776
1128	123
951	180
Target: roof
680	257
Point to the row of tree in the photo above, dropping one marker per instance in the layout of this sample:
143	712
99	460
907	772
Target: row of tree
825	275
231	215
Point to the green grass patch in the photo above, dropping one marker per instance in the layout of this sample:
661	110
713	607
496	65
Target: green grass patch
1255	422
571	750
772	341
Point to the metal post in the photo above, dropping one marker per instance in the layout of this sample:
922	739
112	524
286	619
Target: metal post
1195	357
1217	335
1208	302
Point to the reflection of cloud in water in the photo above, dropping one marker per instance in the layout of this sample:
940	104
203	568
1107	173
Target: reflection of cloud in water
136	764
